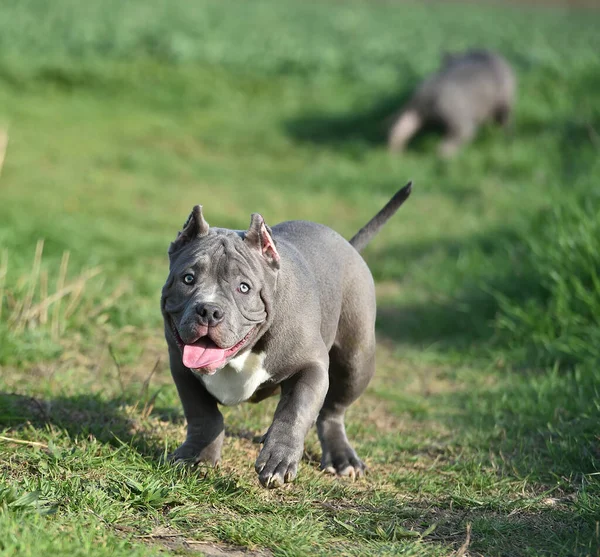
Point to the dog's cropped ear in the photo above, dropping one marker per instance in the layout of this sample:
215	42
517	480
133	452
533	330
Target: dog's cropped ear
260	237
195	227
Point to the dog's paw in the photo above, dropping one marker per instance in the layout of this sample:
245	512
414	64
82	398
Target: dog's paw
277	465
344	463
191	455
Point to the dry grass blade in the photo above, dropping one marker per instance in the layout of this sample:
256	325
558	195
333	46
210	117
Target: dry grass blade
146	384
3	273
462	550
15	310
152	536
76	288
28	300
3	147
44	296
60	282
109	301
118	366
29	306
76	295
23	442
149	406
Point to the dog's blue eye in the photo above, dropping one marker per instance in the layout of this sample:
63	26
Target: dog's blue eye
244	288
188	279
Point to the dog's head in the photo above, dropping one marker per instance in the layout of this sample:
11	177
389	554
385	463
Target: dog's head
217	299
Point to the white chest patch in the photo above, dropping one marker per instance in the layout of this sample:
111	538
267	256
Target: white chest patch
238	380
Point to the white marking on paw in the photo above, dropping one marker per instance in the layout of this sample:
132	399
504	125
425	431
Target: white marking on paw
238	380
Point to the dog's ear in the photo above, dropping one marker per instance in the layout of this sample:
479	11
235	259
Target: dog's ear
260	237
195	227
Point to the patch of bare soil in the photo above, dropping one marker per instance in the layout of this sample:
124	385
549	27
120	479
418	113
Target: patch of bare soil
174	541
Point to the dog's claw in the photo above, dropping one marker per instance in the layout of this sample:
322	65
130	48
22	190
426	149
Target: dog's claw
274	481
346	464
352	472
349	472
276	466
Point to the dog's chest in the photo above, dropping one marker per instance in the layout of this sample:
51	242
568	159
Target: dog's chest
238	380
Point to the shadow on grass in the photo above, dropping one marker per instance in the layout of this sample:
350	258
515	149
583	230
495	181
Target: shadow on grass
369	125
557	531
113	421
530	293
502	433
543	423
489	421
578	143
79	415
576	140
464	319
540	427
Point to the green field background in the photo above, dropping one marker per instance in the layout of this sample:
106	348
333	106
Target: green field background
480	429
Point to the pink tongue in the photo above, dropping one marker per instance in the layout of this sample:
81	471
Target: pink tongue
203	353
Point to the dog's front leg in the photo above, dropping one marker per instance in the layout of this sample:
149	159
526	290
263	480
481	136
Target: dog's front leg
302	397
205	428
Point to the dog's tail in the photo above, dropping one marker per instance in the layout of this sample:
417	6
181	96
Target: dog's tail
367	232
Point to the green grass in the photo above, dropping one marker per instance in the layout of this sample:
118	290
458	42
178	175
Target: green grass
483	415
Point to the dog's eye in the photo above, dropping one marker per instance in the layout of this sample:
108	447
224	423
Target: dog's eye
244	288
188	279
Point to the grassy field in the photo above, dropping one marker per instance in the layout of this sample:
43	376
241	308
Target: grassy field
481	428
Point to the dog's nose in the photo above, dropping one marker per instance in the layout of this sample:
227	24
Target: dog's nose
210	314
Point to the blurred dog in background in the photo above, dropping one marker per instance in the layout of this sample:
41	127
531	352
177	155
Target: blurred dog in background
470	88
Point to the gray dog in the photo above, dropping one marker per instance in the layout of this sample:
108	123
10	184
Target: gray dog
469	89
248	312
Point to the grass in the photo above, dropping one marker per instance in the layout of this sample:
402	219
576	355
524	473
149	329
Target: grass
481	427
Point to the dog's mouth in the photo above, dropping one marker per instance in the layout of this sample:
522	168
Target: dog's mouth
205	356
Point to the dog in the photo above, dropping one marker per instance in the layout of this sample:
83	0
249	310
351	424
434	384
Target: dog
249	312
469	89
